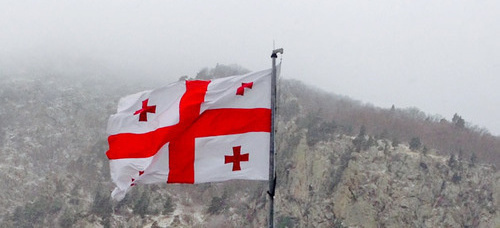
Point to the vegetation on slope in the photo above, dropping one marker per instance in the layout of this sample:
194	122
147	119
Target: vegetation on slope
52	144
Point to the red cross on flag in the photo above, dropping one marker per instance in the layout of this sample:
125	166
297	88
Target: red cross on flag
192	132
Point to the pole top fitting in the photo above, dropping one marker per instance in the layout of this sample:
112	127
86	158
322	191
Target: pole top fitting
276	51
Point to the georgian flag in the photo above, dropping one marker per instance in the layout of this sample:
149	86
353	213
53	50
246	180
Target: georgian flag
192	132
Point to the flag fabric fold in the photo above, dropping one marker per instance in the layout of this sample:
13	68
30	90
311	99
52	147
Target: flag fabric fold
192	132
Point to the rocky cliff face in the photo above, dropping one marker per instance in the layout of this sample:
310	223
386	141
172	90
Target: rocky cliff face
332	185
52	145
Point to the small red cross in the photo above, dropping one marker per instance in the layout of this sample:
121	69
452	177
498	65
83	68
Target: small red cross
241	90
236	158
143	112
140	173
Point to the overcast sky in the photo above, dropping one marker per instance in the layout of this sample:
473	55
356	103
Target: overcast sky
442	57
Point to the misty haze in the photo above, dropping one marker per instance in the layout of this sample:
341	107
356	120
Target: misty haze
387	112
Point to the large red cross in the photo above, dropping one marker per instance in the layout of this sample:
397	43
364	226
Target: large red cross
236	158
191	125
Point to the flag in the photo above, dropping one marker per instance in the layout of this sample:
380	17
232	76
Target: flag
192	132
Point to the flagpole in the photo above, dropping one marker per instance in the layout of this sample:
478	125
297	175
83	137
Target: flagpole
272	173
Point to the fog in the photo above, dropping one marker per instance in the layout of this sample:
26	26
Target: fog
440	56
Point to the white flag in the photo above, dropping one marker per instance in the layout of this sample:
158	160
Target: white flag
192	132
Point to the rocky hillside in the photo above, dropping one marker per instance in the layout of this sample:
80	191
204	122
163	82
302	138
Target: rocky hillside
332	172
331	184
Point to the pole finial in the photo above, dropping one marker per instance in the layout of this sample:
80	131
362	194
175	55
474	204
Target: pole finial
276	51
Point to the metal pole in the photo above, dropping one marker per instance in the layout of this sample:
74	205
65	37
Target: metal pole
272	173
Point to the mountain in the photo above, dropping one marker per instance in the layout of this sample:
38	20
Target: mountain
340	163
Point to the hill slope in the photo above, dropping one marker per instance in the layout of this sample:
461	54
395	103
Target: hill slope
340	163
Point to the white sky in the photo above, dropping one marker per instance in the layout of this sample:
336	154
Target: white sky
442	57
